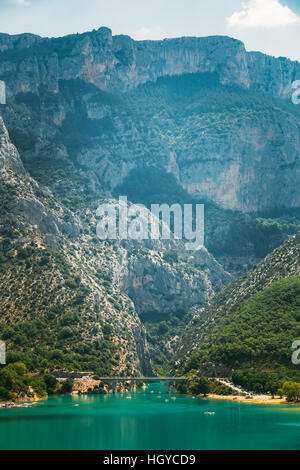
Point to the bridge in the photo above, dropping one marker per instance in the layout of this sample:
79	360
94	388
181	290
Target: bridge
132	380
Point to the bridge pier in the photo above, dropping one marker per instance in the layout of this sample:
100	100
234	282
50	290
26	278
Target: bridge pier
170	385
170	381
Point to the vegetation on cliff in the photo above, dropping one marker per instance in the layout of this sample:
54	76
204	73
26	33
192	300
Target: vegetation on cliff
199	385
15	384
65	302
251	325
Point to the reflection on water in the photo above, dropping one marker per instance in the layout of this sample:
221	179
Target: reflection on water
148	419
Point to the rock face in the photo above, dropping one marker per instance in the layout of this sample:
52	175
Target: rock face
157	286
27	205
87	111
2	93
251	167
113	283
118	63
161	277
9	156
95	81
60	275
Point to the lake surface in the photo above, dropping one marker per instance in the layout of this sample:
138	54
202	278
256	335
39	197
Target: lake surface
145	420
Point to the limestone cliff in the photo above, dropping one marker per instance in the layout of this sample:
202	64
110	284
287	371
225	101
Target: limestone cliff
118	63
244	157
81	295
56	311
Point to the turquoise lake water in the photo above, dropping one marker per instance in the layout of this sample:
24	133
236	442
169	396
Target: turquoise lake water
145	420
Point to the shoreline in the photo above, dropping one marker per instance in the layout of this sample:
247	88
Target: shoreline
22	403
256	400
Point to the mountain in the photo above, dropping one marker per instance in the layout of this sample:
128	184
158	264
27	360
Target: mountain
90	117
95	114
252	323
55	311
118	63
231	143
70	301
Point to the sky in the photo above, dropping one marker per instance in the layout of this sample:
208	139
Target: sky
270	26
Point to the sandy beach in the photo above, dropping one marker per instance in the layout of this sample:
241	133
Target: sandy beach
256	399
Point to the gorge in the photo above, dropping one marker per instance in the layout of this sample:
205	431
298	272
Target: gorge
91	117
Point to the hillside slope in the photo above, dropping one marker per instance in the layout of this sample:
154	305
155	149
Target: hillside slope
250	323
69	300
95	116
58	306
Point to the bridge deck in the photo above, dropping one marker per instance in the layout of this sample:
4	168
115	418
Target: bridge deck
144	379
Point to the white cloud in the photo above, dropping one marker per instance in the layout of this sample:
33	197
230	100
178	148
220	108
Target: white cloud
23	3
143	33
149	33
263	14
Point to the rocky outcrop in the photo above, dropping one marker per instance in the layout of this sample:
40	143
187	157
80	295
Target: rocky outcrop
272	75
36	228
115	63
156	285
9	156
251	167
118	63
241	159
160	276
27	206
